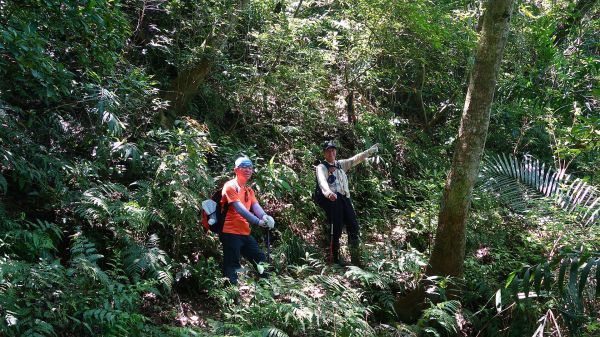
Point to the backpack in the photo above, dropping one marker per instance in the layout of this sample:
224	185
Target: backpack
221	211
318	197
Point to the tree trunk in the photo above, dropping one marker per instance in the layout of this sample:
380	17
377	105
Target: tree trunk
350	107
449	247
185	86
418	92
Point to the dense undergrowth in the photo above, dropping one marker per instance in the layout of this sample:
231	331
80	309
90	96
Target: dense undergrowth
100	203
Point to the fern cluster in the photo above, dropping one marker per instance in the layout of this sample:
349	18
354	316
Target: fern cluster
44	297
82	249
314	306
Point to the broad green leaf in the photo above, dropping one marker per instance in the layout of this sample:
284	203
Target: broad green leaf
526	280
547	277
598	278
3	184
514	288
573	275
561	273
286	186
584	274
510	278
537	278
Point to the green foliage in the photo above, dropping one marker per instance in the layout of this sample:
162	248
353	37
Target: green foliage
564	282
440	316
292	249
27	166
547	90
29	240
45	298
53	58
307	311
207	272
99	205
147	259
393	271
516	182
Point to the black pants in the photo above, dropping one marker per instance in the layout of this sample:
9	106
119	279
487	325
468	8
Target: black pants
235	246
339	213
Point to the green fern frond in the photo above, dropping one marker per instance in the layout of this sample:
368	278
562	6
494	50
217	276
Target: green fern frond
148	259
84	258
40	329
330	283
365	277
387	301
441	314
31	240
109	204
126	151
273	332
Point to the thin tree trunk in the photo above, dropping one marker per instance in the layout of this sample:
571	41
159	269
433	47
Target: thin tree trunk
418	91
297	9
350	107
449	247
185	86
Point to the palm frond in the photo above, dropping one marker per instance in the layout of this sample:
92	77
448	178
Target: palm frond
519	183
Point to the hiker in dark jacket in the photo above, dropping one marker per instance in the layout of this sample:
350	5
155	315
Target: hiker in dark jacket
335	199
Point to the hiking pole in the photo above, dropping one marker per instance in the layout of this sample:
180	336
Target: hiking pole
331	245
268	245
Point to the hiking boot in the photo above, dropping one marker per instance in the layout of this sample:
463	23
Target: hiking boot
341	263
337	259
355	256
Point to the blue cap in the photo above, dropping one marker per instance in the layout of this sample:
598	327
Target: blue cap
243	162
329	144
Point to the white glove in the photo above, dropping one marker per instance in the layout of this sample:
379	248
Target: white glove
269	221
263	223
260	268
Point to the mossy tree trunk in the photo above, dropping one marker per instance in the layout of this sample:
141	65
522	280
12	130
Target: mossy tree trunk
185	86
449	247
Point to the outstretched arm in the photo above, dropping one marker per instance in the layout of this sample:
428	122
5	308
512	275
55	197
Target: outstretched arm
349	163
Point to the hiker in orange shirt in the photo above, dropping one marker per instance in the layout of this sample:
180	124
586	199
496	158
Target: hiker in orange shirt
246	210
